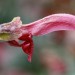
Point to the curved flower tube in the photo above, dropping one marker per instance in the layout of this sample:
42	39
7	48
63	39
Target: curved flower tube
51	23
43	26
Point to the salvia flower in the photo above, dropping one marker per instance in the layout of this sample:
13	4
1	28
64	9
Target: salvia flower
15	30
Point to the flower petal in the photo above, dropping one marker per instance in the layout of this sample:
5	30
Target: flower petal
14	43
25	37
28	48
51	23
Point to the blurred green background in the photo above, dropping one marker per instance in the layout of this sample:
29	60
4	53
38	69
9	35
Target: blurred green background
54	53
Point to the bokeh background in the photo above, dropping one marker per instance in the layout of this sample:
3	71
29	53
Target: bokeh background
54	54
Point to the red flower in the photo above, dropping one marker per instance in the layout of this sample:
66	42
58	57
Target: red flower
43	26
